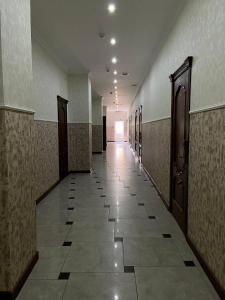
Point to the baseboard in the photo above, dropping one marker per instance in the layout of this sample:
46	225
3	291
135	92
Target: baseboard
157	188
12	295
46	193
220	290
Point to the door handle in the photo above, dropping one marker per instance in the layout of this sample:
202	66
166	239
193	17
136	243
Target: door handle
180	182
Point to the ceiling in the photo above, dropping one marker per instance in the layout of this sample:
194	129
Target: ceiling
70	29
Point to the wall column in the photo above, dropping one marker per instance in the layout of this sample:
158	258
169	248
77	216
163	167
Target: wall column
80	123
17	207
97	125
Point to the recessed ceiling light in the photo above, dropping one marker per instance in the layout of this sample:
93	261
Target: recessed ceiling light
115	87
114	60
115	81
115	72
111	8
113	41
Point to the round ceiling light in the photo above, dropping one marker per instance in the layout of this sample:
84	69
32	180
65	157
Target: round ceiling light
113	41
111	8
114	60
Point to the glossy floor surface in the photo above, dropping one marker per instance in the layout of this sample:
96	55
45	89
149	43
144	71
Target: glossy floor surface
108	236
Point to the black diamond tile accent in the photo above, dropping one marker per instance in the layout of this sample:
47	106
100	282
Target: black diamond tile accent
73	183
71	197
69	223
112	220
64	276
167	236
72	190
141	204
107	206
70	208
118	239
98	181
146	180
103	196
133	194
100	188
152	217
189	263
67	244
128	269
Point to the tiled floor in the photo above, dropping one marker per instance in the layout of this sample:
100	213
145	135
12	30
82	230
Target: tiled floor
108	236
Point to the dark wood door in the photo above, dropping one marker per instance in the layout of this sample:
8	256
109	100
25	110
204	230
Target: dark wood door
181	87
140	132
63	139
136	130
104	134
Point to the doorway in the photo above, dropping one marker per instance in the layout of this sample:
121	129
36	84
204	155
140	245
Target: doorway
104	134
136	130
181	92
63	139
119	131
140	134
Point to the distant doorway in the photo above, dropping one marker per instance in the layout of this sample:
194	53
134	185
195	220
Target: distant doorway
104	134
63	139
181	93
119	131
140	133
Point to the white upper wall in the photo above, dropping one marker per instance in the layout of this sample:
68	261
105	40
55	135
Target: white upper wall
80	103
199	32
97	111
49	81
16	53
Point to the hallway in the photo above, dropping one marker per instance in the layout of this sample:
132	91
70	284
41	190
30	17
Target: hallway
108	236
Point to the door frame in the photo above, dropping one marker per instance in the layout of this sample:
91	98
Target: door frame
62	100
185	67
135	129
140	133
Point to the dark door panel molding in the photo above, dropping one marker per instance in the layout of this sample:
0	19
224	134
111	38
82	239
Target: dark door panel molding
63	137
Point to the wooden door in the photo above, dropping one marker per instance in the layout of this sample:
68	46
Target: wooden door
104	134
181	87
63	139
136	134
140	132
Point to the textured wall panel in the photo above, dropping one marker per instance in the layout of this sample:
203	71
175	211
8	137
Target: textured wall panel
206	208
17	222
80	146
46	157
156	153
97	138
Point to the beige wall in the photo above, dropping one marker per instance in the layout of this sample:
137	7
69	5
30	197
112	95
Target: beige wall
112	117
198	32
17	206
16	58
49	81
